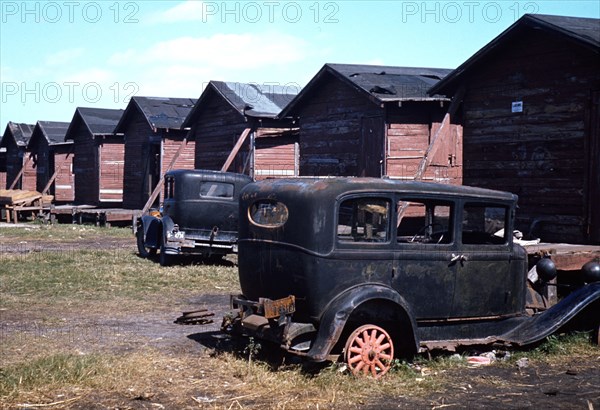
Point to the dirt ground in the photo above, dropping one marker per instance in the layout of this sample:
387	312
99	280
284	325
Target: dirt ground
567	384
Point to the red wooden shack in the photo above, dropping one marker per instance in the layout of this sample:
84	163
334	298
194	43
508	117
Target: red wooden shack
53	157
531	110
19	165
377	121
244	116
153	140
99	156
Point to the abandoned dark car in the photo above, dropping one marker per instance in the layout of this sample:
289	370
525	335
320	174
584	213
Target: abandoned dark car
369	269
199	216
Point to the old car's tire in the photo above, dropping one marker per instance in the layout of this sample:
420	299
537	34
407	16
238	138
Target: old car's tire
369	351
163	258
143	250
596	335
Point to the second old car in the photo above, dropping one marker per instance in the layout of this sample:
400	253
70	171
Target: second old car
371	269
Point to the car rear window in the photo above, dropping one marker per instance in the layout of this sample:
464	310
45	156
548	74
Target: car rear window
269	213
216	190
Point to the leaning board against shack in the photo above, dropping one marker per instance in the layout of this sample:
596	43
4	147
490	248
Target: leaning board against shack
371	269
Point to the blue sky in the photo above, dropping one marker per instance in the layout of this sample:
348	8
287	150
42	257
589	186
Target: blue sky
58	55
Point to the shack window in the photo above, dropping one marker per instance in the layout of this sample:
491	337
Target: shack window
484	224
424	221
216	190
271	214
364	220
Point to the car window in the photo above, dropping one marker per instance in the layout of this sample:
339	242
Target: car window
484	224
364	220
216	190
169	188
424	221
270	214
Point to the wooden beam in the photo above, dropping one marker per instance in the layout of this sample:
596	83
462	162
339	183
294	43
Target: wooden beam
433	145
56	173
236	149
161	182
21	171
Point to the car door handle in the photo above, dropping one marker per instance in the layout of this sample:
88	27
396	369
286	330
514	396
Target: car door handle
456	258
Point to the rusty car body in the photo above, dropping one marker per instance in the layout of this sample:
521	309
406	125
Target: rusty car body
199	216
372	268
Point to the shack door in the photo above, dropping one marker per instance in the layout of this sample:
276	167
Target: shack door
112	162
372	147
594	170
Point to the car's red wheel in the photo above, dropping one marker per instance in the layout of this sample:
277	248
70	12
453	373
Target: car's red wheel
369	351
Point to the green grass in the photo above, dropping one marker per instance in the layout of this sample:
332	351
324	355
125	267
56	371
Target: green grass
53	276
55	369
36	231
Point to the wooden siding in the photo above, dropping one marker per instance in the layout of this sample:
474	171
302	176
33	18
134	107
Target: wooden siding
85	167
185	159
330	130
144	158
409	131
215	133
276	154
29	178
540	154
64	184
47	158
111	157
343	133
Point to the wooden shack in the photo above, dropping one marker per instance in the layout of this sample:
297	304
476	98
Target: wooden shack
99	156
2	166
20	169
531	110
244	116
153	141
377	121
53	157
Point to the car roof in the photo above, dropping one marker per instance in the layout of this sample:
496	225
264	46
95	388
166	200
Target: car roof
334	187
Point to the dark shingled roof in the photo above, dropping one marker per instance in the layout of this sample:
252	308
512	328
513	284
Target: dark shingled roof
160	112
99	121
382	83
19	131
582	31
253	100
54	132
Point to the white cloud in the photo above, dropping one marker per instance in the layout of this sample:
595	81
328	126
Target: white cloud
229	51
183	66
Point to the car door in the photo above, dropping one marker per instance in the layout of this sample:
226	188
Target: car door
489	278
425	243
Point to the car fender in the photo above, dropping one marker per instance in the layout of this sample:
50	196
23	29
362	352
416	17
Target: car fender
337	313
548	322
152	227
